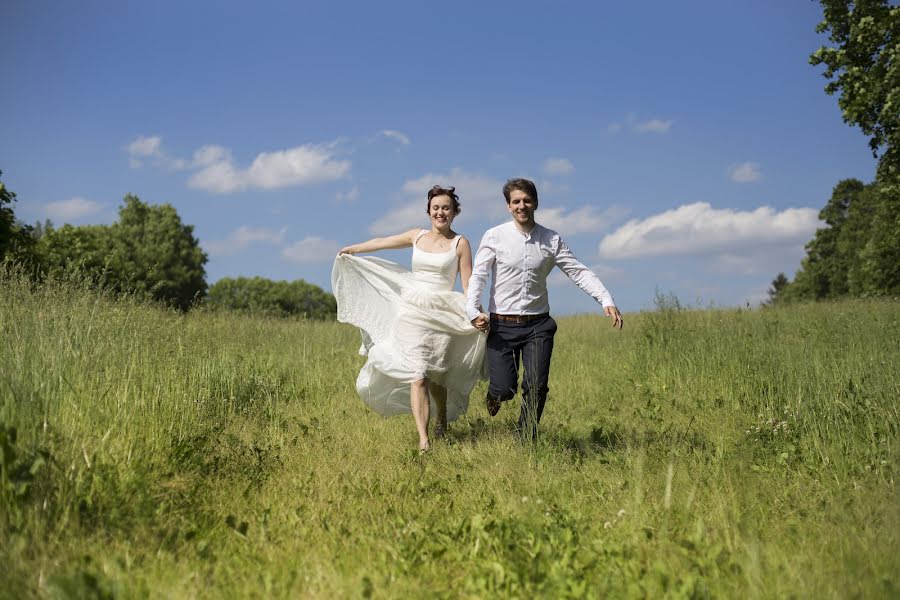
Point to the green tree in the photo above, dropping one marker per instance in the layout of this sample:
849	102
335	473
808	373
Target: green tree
824	272
878	272
39	229
864	67
87	248
262	296
779	284
857	253
15	238
158	253
148	250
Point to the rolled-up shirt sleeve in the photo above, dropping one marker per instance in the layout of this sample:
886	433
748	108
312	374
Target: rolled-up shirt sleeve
582	276
481	266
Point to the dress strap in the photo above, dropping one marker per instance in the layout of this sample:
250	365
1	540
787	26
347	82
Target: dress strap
456	241
421	233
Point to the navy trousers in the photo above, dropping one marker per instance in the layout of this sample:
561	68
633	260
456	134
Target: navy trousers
530	344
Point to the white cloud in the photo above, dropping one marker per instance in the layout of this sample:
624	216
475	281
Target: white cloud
210	155
150	148
586	219
145	146
482	201
480	197
648	126
241	238
474	189
396	135
216	170
312	250
700	229
558	166
745	172
653	126
401	218
548	188
217	173
74	208
348	197
301	165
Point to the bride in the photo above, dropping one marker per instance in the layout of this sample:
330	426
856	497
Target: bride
423	354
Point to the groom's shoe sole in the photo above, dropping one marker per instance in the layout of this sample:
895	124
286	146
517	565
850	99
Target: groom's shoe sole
493	405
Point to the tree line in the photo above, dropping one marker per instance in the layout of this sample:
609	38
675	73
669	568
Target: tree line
857	252
149	251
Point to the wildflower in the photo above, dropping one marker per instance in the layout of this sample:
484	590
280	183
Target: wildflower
607	525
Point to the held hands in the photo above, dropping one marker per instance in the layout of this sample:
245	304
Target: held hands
612	311
481	322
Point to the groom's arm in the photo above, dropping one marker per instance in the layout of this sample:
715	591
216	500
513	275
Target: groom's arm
587	280
481	266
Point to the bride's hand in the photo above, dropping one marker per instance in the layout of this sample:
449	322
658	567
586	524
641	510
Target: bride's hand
347	250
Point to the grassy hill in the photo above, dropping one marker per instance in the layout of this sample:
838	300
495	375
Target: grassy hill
712	453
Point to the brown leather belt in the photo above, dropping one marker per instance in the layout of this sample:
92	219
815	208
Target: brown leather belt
518	319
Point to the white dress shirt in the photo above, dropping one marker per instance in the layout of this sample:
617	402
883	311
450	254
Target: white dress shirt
519	264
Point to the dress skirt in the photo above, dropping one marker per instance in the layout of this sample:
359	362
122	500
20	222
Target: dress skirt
412	328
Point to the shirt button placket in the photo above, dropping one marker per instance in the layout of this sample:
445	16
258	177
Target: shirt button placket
524	292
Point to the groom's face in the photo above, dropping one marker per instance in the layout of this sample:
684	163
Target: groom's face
521	206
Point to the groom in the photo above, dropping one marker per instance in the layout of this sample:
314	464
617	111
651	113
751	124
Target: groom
519	256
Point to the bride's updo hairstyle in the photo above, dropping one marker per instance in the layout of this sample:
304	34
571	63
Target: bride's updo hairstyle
440	191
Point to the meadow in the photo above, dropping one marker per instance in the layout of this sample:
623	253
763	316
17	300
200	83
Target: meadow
698	453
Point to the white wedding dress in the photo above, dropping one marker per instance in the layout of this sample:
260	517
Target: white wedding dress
413	325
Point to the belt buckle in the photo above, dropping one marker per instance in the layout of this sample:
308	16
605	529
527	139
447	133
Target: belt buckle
521	319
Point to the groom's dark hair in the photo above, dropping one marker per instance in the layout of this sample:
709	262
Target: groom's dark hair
523	185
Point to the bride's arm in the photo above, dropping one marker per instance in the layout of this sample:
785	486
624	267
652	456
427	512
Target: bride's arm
401	240
464	252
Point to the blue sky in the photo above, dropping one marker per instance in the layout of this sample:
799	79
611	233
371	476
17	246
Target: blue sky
685	147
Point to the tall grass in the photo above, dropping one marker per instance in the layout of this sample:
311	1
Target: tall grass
697	453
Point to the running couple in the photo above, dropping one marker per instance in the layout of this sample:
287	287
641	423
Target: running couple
426	343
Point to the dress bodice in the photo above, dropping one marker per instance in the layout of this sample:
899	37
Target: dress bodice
437	269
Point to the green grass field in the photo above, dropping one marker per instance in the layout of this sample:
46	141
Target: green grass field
714	453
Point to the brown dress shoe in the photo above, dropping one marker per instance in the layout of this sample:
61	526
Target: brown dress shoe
493	404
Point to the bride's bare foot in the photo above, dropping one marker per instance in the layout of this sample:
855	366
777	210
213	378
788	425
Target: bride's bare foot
424	447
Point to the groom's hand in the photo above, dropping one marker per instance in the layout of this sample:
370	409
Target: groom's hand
612	311
481	322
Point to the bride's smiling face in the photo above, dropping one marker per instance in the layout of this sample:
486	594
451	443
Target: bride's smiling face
440	209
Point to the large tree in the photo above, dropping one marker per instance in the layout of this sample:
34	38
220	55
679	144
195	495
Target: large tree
148	250
851	255
857	253
159	253
863	66
879	267
832	253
